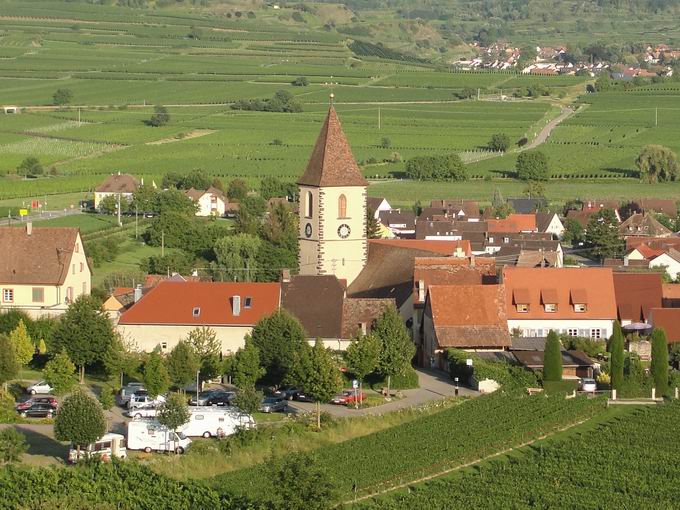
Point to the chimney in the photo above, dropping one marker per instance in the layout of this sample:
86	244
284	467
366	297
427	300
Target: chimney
138	292
285	276
236	306
29	228
421	290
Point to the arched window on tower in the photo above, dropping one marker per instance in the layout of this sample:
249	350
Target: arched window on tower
342	206
309	204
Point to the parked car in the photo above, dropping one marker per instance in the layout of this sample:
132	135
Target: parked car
124	394
142	398
347	397
203	396
145	411
301	396
38	400
588	384
221	398
39	387
286	392
37	411
273	404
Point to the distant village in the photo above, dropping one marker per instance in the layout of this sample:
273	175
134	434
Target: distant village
551	61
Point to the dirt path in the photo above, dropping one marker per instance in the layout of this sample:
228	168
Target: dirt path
547	129
463	466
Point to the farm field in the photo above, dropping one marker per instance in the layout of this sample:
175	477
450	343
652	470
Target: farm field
428	445
630	462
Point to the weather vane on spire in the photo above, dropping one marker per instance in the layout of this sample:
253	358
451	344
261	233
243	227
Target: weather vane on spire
332	94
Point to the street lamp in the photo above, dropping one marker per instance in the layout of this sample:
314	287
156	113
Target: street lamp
197	383
455	379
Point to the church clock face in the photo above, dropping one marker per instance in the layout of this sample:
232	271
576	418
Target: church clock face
308	230
344	231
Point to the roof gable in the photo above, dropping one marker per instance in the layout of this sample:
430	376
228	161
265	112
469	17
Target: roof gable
636	294
118	183
332	162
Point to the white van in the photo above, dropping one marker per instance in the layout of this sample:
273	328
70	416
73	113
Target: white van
216	421
149	435
109	446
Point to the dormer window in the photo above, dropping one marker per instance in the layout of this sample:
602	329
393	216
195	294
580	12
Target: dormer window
549	300
196	312
521	298
491	239
579	300
550	307
506	239
522	307
248	302
580	307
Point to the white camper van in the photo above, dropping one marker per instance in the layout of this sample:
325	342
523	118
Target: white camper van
149	435
109	446
216	421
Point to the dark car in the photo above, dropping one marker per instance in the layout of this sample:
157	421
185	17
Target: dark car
221	398
37	411
204	396
38	400
286	392
301	396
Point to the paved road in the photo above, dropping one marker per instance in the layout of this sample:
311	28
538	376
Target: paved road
433	386
547	129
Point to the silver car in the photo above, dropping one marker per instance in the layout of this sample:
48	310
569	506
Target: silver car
145	411
589	385
273	404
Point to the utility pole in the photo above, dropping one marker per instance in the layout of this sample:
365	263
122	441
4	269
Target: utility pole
656	116
477	94
136	221
120	223
162	243
378	118
78	116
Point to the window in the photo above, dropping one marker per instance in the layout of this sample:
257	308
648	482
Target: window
506	239
580	307
342	206
38	294
309	206
248	302
522	308
491	239
595	333
572	332
362	327
77	248
73	269
82	267
196	311
164	345
8	295
550	307
69	295
84	287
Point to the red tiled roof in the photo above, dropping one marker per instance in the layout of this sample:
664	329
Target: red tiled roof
432	245
452	270
513	223
667	319
469	316
173	302
647	252
118	183
636	294
592	286
661	243
332	162
42	258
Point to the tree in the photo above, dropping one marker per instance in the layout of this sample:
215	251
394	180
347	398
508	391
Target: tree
107	399
271	187
42	347
160	116
616	357
602	234
237	189
659	366
182	364
603	82
301	81
109	204
60	373
9	367
372	225
85	332
573	231
362	356
30	167
396	347
302	484
248	399
532	166
120	359
62	97
437	168
552	361
173	414
80	420
156	378
12	445
144	199
24	348
237	257
208	349
658	164
385	142
316	373
278	337
176	201
499	142
246	367
534	189
250	213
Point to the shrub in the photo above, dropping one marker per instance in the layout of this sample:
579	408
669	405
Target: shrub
532	166
437	168
12	445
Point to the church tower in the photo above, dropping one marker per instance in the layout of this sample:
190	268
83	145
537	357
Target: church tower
332	234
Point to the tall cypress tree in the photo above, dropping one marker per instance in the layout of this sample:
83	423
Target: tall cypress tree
552	361
616	358
659	366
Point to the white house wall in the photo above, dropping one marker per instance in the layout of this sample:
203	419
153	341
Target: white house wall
146	337
540	328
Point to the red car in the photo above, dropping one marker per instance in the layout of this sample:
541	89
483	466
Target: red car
37	400
348	397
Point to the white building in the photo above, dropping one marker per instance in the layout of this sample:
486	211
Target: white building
211	202
123	185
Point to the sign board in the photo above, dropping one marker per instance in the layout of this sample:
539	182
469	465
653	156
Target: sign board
468	362
35	204
355	384
23	212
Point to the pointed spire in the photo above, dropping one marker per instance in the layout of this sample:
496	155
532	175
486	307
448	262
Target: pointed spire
332	162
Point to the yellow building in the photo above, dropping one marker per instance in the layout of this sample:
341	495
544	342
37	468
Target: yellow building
332	234
42	270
